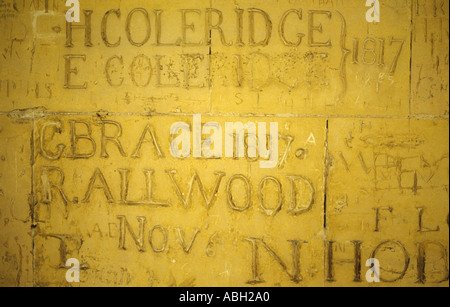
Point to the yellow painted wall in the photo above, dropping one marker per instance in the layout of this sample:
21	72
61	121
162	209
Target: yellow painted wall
86	170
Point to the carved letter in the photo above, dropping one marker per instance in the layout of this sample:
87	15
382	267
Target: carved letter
356	261
164	243
148	129
47	185
87	30
271	211
185	26
282	27
158	14
209	27
268	23
240	26
209	200
422	261
104	186
75	137
46	154
312	28
307	205
294	275
113	139
186	247
148	197
231	202
147	23
123	229
104	30
421	228
401	273
69	71
110	68
377	216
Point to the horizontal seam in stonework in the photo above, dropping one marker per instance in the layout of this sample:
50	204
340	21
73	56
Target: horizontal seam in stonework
281	115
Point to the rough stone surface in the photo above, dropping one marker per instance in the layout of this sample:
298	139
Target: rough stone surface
86	169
